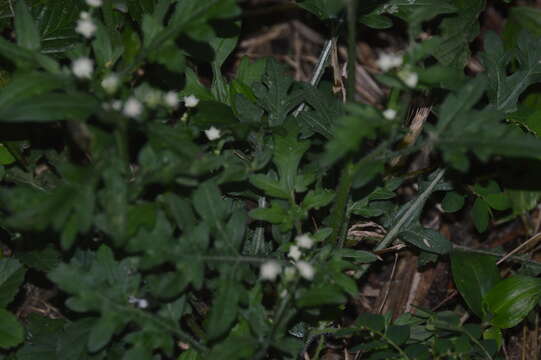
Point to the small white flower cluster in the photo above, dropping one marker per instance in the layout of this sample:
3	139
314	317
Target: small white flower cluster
82	67
388	61
85	25
388	8
132	108
140	303
271	269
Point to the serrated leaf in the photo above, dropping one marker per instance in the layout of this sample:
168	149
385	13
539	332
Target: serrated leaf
316	199
43	260
208	203
274	94
11	277
101	333
11	331
474	275
510	300
270	186
327	109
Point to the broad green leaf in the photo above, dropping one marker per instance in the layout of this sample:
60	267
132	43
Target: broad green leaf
316	199
101	333
208	203
398	334
371	321
510	300
495	334
426	239
324	9
73	344
51	107
326	109
376	21
457	33
274	94
11	331
249	72
30	85
322	295
26	30
5	156
480	214
474	276
288	152
43	260
26	58
223	45
357	255
452	201
224	309
11	277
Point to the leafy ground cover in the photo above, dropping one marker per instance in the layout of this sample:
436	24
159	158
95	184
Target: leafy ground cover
187	179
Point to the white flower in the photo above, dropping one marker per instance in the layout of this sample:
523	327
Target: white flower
213	133
132	108
191	101
270	270
110	83
94	3
389	114
152	97
409	78
84	15
116	105
82	67
85	27
294	252
304	241
306	270
388	61
171	99
142	303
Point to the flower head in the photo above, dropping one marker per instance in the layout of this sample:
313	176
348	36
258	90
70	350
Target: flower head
389	114
270	270
304	241
110	83
294	252
387	61
191	101
132	108
82	67
306	270
171	99
85	25
140	303
94	3
409	78
152	97
213	133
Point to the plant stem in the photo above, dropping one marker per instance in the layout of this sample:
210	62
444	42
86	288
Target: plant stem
352	49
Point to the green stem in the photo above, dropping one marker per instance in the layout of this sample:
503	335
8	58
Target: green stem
338	212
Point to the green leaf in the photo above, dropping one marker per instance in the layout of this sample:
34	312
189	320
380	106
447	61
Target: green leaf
371	321
324	9
494	333
457	33
224	310
480	214
474	275
510	300
452	202
223	45
357	255
316	199
43	260
101	333
327	109
288	152
26	30
11	277
30	85
5	156
274	94
11	331
398	334
208	203
322	295
376	21
249	72
426	239
50	107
